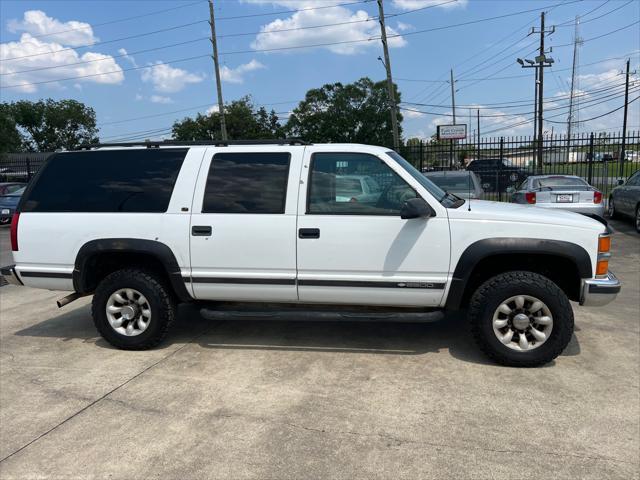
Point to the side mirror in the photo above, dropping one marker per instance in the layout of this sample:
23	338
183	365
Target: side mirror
415	208
620	181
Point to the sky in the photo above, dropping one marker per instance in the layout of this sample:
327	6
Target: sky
144	64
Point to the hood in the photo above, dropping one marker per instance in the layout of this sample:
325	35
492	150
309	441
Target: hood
513	212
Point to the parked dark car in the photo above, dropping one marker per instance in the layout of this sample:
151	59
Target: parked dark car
8	204
625	200
497	174
7	188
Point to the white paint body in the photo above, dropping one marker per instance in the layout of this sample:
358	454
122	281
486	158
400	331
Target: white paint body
355	248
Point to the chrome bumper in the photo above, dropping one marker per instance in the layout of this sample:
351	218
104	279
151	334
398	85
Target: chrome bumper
596	292
10	275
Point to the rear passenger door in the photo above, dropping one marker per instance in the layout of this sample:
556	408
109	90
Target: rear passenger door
243	225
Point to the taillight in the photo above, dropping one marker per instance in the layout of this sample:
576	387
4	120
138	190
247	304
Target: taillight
14	231
530	197
597	197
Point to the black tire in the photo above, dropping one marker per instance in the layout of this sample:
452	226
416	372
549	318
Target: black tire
161	302
488	297
612	209
637	218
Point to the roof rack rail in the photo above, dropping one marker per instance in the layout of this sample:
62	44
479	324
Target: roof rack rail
179	143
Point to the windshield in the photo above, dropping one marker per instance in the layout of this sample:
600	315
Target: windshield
446	200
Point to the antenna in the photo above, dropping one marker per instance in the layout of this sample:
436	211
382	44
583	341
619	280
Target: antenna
469	209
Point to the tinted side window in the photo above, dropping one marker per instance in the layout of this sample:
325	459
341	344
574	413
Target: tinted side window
247	183
335	185
134	180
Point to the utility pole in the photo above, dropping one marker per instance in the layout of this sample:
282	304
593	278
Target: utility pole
453	98
624	121
574	70
535	108
540	63
216	65
390	89
540	60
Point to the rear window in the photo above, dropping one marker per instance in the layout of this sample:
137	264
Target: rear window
136	180
555	182
453	182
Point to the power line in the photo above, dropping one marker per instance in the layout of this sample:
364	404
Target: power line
600	36
568	23
179	60
599	116
128	54
282	12
176	27
110	22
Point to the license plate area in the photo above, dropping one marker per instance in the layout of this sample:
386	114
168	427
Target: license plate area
5	211
564	198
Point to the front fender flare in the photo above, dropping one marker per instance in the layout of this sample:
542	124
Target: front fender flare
482	249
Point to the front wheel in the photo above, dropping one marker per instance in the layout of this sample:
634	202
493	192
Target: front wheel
611	210
133	309
638	219
521	319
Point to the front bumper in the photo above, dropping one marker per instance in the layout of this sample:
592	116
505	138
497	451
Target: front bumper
596	292
10	275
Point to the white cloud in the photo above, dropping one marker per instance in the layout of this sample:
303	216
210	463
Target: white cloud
104	71
412	113
403	27
236	75
126	55
212	109
160	99
413	4
354	26
167	79
36	22
138	97
599	79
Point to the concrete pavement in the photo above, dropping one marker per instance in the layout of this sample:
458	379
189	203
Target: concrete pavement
262	399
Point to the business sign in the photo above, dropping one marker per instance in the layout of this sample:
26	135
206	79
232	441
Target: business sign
452	132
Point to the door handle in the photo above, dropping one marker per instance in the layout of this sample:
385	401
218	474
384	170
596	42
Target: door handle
309	233
200	231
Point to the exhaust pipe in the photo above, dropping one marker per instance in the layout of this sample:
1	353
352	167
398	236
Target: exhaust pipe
70	298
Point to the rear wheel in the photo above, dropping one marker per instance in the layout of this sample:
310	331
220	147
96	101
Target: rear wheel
133	309
638	219
521	319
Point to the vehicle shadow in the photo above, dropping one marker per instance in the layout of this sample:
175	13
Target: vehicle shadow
449	336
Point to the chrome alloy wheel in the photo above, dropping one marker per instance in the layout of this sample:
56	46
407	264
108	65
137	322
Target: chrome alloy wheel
128	312
522	322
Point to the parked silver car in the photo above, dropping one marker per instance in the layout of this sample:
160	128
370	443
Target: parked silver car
566	192
625	199
463	184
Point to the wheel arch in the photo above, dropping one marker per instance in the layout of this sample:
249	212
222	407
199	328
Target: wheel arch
563	262
150	253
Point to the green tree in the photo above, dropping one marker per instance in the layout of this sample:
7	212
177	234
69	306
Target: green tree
10	138
357	112
242	119
49	125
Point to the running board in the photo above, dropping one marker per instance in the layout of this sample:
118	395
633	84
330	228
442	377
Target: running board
322	315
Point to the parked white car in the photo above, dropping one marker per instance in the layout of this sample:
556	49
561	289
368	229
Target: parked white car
143	227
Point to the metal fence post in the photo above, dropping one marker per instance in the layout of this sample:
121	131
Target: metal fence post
500	156
28	170
421	156
591	155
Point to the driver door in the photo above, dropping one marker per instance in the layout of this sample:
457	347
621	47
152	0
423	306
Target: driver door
353	247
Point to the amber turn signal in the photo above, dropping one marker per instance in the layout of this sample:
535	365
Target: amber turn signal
604	244
602	267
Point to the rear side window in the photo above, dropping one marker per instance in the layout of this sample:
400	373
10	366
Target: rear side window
247	183
136	180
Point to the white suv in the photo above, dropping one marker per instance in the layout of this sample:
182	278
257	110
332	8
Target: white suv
145	226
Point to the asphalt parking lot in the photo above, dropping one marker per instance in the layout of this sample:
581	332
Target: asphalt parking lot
267	399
